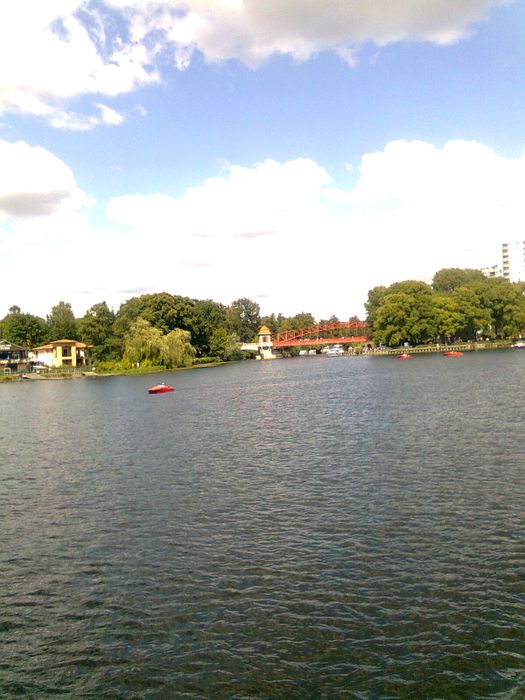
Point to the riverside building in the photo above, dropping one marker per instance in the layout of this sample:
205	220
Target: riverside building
512	265
513	261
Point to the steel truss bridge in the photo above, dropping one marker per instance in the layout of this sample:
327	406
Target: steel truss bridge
328	333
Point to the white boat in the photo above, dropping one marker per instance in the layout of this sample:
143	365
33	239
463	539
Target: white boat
335	351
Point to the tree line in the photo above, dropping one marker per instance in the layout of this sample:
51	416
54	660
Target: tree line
151	330
174	331
459	305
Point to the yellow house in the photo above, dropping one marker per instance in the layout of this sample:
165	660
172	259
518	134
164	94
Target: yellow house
62	353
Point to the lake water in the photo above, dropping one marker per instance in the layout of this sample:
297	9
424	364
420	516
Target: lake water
306	528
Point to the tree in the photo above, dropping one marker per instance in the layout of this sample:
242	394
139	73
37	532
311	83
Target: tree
243	318
208	316
142	343
96	329
301	320
375	297
62	322
225	345
146	345
473	316
448	318
164	311
450	278
176	349
505	302
405	314
392	319
23	329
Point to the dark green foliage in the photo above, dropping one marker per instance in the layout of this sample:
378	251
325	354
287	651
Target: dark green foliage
466	307
225	345
23	329
450	278
460	305
209	315
62	322
96	328
243	317
163	311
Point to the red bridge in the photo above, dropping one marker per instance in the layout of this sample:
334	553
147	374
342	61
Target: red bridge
328	333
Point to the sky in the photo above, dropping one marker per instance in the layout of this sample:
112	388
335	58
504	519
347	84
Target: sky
295	152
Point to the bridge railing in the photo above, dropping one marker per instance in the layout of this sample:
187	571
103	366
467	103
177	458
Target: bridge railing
320	331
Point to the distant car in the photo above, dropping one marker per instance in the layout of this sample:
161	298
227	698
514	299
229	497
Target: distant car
519	344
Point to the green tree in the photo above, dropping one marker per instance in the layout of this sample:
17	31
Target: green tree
392	319
300	320
225	345
176	349
375	298
164	311
474	317
208	316
505	302
448	318
243	317
450	278
96	329
404	313
303	320
23	329
62	322
143	343
270	322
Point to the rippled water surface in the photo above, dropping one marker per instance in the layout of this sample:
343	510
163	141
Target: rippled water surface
307	528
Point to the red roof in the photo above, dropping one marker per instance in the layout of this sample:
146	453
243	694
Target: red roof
64	341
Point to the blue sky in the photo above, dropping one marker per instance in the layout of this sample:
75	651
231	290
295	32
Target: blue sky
296	152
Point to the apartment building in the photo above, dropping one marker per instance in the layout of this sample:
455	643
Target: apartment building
513	261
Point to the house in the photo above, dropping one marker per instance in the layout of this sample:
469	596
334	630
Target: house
61	353
13	357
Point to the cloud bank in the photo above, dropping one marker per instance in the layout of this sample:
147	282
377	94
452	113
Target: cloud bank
52	53
283	234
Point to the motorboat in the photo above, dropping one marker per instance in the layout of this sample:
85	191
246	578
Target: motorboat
404	356
335	351
452	353
160	388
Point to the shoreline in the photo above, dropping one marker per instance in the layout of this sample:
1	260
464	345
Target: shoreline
85	374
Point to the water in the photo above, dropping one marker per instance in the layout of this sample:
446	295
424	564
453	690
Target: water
308	528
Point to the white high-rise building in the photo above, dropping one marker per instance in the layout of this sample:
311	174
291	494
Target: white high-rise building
513	261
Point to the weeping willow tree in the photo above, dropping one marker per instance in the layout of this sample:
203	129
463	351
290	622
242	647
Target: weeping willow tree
176	349
145	345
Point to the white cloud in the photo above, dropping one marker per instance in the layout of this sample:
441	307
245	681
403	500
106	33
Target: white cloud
54	52
252	30
283	234
80	122
283	231
34	182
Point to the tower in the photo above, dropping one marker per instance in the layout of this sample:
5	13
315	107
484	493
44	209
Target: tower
264	343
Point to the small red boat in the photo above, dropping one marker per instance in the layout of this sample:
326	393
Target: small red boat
160	388
453	353
404	356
